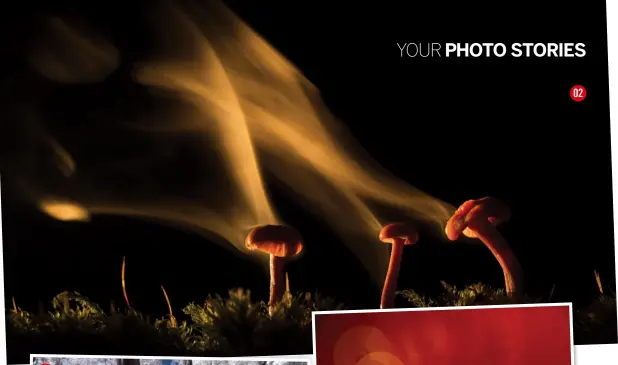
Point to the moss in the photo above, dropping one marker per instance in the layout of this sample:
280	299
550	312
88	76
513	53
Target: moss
230	326
235	325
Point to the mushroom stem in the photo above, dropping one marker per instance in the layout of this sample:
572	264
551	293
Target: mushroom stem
276	282
493	240
390	282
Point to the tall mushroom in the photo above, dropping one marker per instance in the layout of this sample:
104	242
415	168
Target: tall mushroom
279	242
399	235
478	219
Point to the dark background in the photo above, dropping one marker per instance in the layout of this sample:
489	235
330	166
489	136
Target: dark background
482	127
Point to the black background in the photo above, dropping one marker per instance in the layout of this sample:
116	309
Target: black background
456	128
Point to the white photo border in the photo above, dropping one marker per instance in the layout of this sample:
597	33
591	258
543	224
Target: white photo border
438	309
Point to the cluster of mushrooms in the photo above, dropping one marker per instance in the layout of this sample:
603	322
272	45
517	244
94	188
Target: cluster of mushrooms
474	219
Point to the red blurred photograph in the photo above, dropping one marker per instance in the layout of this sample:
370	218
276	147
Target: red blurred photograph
506	335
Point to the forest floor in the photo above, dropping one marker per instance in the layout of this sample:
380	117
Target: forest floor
234	325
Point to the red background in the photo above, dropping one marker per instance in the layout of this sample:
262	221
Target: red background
496	336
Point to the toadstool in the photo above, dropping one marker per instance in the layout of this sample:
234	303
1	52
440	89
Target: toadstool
279	242
399	235
477	219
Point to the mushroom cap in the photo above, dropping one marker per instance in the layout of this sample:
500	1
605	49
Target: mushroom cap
404	231
280	241
486	209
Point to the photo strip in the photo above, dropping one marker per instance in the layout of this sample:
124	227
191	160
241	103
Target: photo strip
199	178
509	335
149	360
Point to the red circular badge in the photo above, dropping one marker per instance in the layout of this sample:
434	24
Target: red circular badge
578	93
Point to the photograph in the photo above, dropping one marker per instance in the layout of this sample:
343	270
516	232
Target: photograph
509	335
100	360
187	178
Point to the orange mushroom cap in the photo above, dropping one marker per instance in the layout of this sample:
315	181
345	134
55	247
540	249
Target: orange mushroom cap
280	241
404	231
488	208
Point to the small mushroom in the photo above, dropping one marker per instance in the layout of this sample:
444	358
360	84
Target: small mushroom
279	242
477	219
399	235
